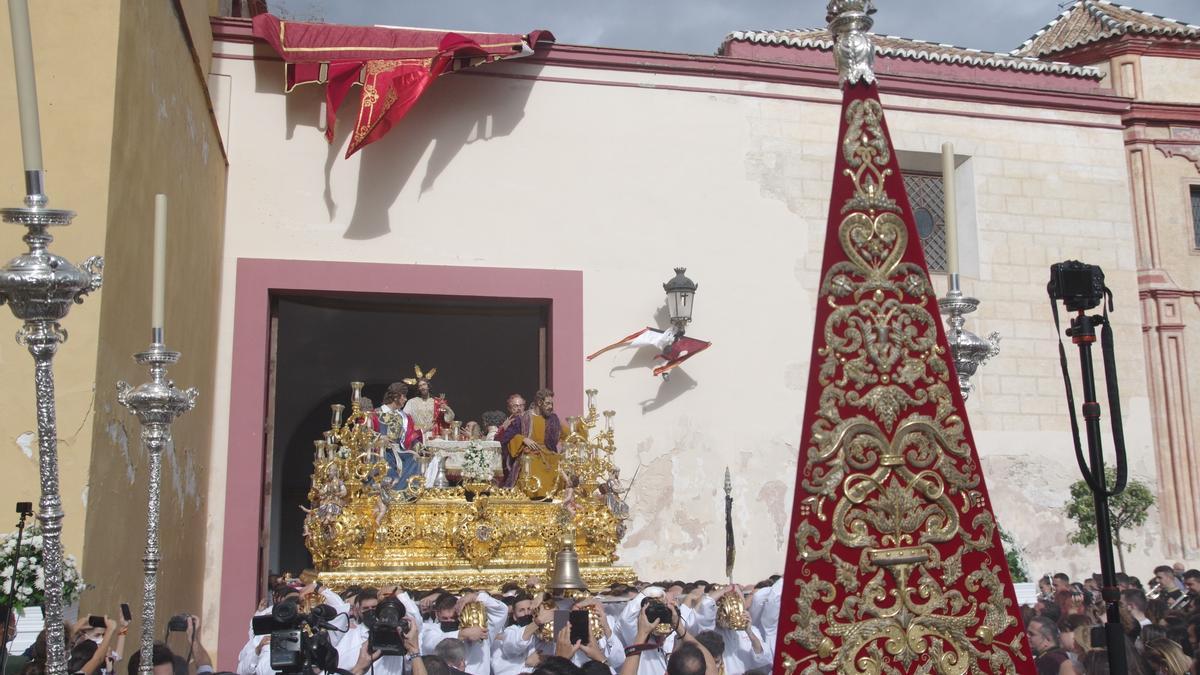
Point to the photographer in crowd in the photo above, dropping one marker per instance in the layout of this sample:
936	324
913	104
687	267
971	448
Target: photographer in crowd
646	656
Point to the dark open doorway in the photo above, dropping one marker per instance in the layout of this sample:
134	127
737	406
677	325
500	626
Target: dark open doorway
483	349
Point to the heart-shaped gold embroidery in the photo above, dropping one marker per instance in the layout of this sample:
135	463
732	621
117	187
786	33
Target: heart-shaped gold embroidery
874	246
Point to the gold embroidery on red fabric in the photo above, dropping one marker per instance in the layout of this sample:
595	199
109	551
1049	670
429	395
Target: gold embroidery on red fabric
895	486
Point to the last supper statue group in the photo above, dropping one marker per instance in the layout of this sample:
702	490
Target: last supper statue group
422	435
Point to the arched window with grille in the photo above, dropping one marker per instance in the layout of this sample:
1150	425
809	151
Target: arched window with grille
926	194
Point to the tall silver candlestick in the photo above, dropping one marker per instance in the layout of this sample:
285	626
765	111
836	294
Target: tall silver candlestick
156	403
40	288
968	349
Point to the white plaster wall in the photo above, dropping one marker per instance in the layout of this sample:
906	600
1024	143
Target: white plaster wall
1170	80
623	183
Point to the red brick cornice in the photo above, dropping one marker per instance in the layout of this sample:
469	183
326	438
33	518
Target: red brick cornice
1162	114
231	29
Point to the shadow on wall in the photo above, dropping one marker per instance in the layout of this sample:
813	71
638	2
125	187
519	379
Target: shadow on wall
455	111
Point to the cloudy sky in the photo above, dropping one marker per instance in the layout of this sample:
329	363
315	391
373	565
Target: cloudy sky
697	26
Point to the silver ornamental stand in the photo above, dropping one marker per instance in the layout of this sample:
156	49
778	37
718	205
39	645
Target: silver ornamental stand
968	349
156	403
40	288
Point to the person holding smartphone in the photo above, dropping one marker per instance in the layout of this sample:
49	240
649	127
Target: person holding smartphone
687	656
89	653
114	654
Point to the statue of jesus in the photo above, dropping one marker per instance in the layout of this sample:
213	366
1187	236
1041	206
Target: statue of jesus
431	415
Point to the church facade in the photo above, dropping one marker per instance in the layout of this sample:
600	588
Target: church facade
573	180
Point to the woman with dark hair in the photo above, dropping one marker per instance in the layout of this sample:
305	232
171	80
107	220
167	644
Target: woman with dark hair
1156	610
1067	627
83	658
36	665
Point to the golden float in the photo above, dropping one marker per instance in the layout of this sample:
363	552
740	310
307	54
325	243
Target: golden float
361	530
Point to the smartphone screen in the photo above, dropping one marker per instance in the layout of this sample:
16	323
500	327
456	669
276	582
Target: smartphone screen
96	621
562	619
579	627
125	613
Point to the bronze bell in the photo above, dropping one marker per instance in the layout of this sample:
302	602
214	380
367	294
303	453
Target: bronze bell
566	567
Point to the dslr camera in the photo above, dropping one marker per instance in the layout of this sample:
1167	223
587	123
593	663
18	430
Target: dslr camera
657	610
1079	285
386	626
177	623
299	641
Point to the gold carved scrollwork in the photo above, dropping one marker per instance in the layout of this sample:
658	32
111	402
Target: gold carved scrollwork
888	478
866	150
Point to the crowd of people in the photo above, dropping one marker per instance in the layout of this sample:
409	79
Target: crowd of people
95	645
1160	622
667	627
644	629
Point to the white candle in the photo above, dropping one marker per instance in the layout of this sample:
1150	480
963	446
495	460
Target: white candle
160	263
22	45
951	216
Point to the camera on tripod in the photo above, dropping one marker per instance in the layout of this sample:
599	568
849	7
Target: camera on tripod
386	627
299	640
1079	285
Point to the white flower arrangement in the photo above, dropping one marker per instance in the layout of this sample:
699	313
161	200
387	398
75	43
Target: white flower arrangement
476	463
26	565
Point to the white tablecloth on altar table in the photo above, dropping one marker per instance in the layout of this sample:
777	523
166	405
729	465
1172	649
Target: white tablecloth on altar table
451	452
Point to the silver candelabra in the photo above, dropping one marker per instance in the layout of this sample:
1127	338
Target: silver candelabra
156	403
968	349
40	288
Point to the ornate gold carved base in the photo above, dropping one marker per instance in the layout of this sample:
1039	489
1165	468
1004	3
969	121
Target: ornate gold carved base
451	539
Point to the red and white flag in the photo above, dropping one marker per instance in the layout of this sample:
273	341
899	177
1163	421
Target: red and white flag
681	350
675	350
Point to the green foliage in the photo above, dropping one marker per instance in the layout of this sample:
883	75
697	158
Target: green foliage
1127	510
1015	556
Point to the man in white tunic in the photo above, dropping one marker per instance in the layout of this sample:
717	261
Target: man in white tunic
744	644
478	640
654	653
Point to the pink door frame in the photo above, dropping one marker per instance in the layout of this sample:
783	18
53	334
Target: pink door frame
257	279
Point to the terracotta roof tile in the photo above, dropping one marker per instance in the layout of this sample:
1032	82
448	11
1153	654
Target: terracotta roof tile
1088	21
917	50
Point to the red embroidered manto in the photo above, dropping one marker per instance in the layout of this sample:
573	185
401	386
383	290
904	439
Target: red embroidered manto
394	65
894	562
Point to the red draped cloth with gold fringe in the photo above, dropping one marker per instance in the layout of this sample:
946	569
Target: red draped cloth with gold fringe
894	561
393	65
